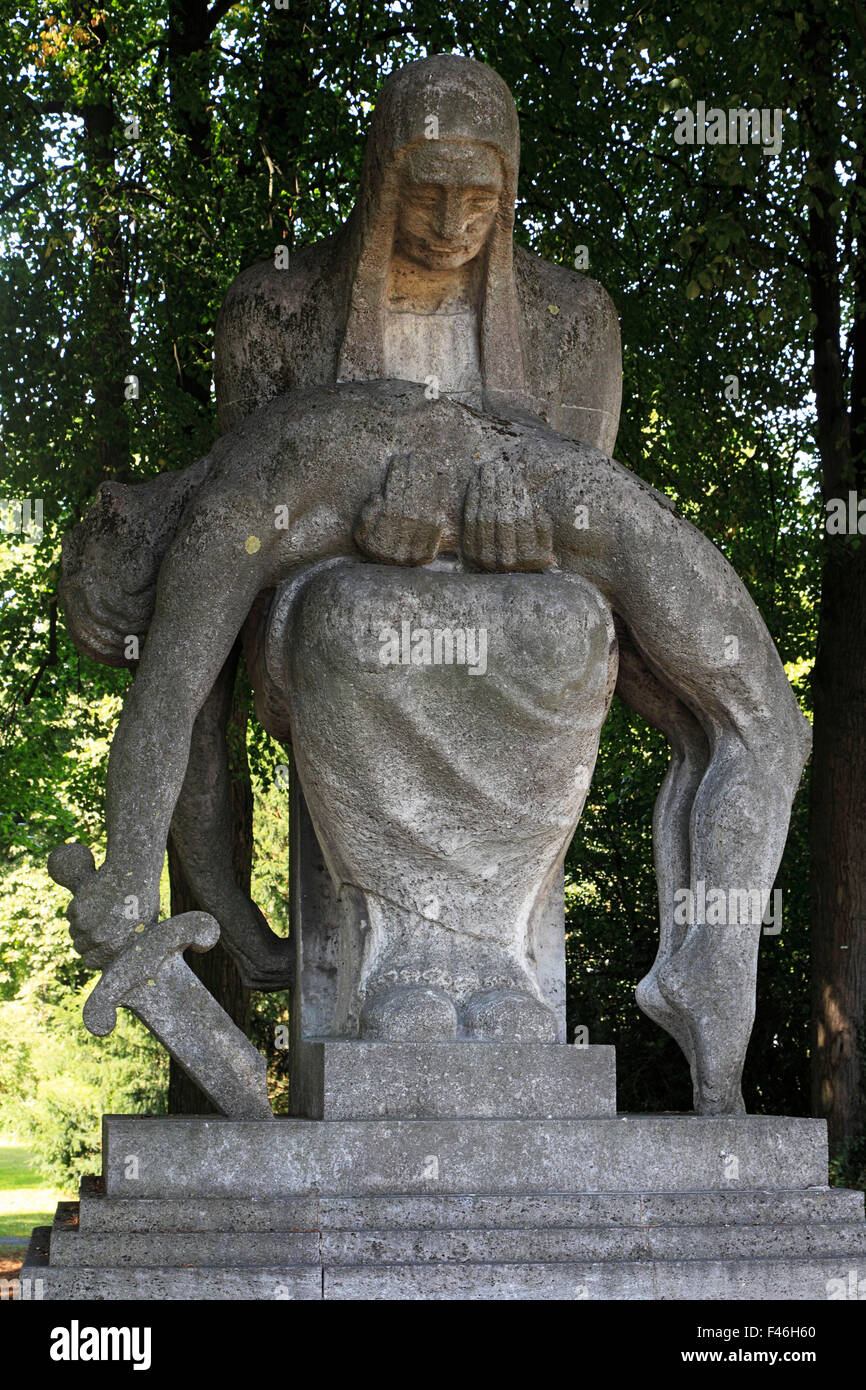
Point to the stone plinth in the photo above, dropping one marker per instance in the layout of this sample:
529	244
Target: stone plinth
537	1191
354	1079
181	1156
790	1244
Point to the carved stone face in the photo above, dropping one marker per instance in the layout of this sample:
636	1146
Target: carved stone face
449	197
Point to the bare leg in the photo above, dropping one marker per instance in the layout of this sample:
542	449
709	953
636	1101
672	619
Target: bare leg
739	824
690	756
703	639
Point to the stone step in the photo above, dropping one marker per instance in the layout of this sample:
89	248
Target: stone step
72	1249
620	1243
52	1283
421	1212
188	1156
715	1280
701	1279
100	1213
352	1079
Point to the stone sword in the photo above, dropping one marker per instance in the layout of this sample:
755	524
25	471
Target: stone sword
150	977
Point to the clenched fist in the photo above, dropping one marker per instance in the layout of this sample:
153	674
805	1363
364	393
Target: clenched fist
104	913
402	524
503	529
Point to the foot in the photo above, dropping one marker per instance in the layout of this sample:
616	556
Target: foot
508	1016
409	1013
652	1002
717	1019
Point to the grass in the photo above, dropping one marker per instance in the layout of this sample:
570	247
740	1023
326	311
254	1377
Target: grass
26	1199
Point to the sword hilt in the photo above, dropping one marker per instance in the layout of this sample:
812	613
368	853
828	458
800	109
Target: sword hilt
140	959
139	962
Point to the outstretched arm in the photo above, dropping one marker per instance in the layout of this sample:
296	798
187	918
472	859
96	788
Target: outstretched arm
314	457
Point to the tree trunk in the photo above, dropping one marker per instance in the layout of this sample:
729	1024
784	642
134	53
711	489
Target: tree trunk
189	65
287	79
839	844
106	327
838	781
189	31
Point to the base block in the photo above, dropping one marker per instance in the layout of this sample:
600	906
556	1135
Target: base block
336	1079
808	1244
182	1156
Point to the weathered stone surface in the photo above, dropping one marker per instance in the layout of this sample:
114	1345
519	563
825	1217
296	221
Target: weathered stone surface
755	1244
781	1245
354	1079
660	575
149	976
508	708
685	1279
180	1156
533	1245
418	1211
145	1282
245	1249
481	324
98	1214
285	329
552	1244
695	1208
756	1280
580	1279
486	500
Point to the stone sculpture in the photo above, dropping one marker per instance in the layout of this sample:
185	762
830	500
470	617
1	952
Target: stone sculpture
418	420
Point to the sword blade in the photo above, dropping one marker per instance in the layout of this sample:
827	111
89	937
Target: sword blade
196	1030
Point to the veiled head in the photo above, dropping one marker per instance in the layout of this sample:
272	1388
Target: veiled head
439	186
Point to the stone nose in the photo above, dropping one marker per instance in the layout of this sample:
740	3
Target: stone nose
451	216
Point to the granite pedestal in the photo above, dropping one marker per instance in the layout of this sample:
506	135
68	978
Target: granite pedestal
456	1171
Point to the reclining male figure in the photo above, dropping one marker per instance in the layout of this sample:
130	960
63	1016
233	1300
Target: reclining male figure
324	454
